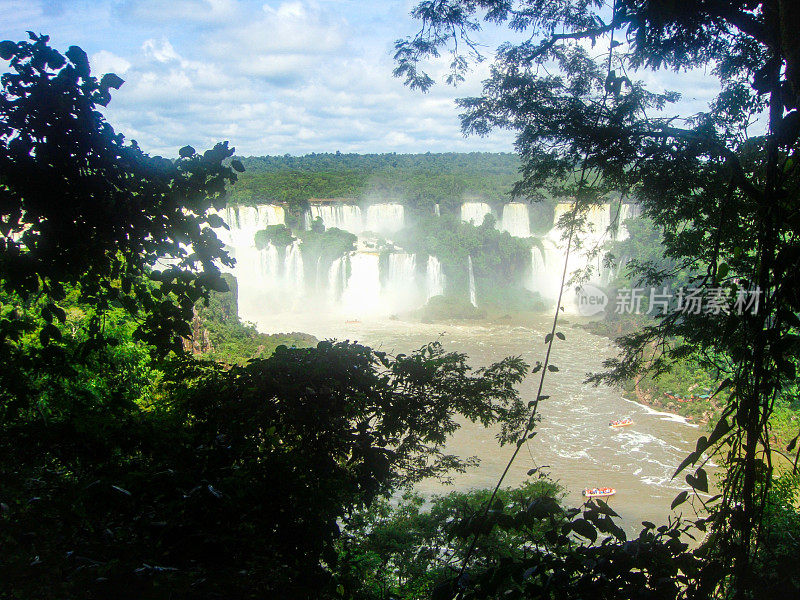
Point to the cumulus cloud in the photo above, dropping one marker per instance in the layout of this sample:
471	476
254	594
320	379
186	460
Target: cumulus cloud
271	77
108	62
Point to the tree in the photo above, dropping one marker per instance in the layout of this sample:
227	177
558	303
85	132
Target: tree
130	471
723	185
69	183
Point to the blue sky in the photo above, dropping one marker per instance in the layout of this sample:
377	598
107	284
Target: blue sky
291	76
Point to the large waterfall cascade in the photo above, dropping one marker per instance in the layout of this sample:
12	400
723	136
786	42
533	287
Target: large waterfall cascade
360	283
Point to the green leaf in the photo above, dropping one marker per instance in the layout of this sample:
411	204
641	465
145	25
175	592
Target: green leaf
78	58
584	528
699	480
552	368
548	338
792	444
691	459
604	508
237	165
111	80
186	152
7	49
679	499
560	335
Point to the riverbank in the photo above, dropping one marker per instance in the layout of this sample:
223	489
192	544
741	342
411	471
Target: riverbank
688	388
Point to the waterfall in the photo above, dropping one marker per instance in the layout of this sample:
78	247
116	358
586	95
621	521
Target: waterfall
434	278
516	219
590	241
293	269
538	264
620	213
341	216
436	210
473	212
362	294
337	275
318	275
473	298
361	283
253	218
270	264
400	291
385	218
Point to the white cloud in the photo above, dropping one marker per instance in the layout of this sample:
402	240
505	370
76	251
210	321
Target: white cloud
160	50
108	62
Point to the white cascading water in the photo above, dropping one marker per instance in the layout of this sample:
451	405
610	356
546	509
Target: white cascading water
253	266
436	210
337	280
270	263
516	220
341	216
434	278
385	218
274	278
400	289
582	254
473	212
362	294
294	274
473	296
538	262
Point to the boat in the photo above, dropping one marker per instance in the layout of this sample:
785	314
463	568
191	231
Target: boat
603	492
621	423
353	322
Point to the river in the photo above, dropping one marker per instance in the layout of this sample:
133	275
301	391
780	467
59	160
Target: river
573	438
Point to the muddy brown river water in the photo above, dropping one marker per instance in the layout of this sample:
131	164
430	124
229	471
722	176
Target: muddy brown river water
573	440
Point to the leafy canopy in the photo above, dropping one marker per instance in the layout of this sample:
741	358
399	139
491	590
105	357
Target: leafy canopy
722	185
81	207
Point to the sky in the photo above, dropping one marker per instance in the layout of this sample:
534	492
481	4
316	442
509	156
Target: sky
276	77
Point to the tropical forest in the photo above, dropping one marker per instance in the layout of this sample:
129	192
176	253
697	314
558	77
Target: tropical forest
443	299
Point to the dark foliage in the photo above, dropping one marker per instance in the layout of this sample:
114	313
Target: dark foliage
69	183
724	195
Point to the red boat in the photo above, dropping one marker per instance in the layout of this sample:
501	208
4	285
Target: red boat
621	423
603	492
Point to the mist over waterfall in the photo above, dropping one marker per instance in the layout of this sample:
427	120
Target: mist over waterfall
384	218
516	219
362	295
400	287
375	276
337	280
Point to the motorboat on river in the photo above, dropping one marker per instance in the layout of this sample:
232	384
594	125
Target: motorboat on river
602	492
